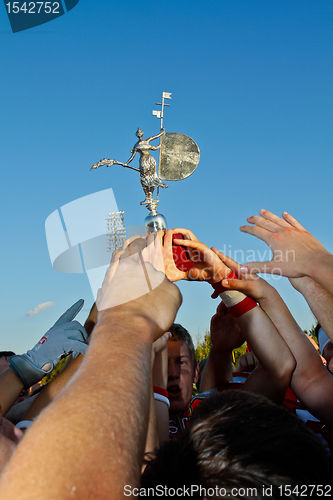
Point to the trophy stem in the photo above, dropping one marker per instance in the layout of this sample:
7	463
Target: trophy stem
155	222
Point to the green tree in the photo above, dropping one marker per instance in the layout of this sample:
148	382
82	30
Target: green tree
312	333
55	372
203	349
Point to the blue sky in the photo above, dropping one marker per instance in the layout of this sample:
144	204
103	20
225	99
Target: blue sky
251	83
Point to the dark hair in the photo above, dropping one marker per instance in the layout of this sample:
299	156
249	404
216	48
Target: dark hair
241	440
6	354
180	333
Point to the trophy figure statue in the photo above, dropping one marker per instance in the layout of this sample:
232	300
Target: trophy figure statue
179	157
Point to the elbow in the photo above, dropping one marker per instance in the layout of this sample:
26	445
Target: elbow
286	369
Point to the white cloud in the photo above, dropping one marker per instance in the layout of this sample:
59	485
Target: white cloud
39	308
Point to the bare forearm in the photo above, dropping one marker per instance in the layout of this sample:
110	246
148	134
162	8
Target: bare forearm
10	388
311	382
158	426
152	440
260	382
218	370
91	320
49	392
320	301
269	347
102	414
308	362
161	410
321	270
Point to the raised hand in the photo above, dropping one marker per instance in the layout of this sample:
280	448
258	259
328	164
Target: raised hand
250	284
225	332
136	284
66	336
207	265
295	251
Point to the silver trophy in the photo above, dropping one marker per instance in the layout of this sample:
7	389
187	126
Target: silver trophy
179	156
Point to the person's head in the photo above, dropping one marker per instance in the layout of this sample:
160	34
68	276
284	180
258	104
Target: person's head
139	133
182	368
325	346
4	355
240	440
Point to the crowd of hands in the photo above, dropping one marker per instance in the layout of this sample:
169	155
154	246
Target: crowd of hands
89	430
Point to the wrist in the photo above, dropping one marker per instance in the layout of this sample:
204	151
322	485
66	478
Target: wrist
221	352
160	390
27	370
320	265
270	295
302	283
161	395
136	324
237	302
306	286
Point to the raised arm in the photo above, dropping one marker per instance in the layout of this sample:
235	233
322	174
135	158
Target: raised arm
51	390
276	362
295	251
272	377
320	301
311	382
225	336
158	427
64	337
94	450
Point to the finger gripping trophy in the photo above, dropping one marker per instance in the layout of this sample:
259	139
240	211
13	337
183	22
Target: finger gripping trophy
179	157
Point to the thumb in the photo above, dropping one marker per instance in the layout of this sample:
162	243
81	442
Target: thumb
239	285
70	314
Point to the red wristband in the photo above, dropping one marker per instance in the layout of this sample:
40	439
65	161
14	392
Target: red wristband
242	307
161	391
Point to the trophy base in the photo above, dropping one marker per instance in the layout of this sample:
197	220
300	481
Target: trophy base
155	222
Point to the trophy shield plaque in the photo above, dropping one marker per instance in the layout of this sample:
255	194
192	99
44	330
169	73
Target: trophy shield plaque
180	156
